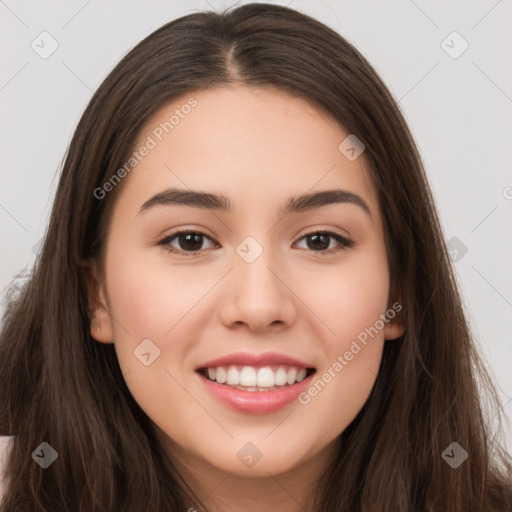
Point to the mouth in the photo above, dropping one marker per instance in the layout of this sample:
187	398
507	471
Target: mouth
255	383
256	378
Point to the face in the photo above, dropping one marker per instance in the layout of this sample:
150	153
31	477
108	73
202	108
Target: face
253	337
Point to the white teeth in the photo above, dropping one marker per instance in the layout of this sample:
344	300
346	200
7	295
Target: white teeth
280	377
221	375
290	377
301	374
248	378
233	376
265	377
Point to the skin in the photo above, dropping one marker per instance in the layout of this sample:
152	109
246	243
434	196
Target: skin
257	146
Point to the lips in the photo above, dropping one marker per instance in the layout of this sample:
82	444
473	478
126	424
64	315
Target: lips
248	359
255	383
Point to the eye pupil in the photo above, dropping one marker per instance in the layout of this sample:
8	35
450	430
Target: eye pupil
318	237
191	241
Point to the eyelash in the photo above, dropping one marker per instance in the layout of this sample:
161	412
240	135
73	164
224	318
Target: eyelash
344	243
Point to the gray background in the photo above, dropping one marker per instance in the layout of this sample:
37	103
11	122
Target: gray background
458	107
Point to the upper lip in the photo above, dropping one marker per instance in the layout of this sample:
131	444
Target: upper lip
249	359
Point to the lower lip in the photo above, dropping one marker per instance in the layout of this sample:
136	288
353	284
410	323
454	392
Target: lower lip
255	402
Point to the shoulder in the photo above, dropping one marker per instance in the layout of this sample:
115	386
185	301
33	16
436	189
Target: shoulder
5	447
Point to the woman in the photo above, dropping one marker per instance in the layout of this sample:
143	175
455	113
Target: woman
244	298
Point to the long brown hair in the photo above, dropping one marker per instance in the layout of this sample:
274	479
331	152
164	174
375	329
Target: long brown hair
62	387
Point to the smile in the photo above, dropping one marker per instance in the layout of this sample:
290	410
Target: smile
250	378
256	384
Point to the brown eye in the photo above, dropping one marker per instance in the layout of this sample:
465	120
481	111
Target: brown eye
326	241
185	241
191	241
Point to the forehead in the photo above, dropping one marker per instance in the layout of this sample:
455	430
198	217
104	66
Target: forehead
257	142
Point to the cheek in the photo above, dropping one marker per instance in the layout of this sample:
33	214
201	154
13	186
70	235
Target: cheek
153	302
349	302
150	298
341	389
350	298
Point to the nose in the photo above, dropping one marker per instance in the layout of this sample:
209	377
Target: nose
259	294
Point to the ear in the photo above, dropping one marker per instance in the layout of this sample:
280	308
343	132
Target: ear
395	327
101	325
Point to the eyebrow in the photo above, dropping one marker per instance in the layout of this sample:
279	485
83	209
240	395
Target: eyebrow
219	202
